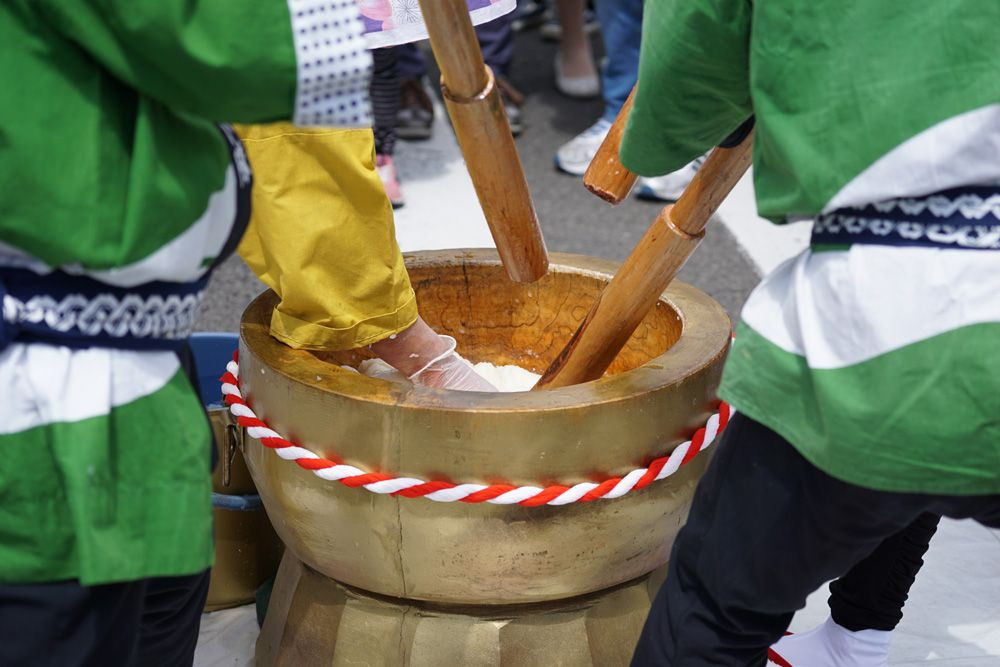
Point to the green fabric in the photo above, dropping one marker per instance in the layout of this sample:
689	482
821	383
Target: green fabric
117	497
834	85
693	88
904	421
108	146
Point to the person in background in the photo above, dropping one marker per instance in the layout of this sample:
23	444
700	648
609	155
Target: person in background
863	372
621	29
385	94
402	108
575	71
416	110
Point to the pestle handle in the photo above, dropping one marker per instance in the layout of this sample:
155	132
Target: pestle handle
483	133
653	263
606	176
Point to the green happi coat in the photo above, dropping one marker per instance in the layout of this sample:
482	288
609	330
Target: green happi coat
113	167
876	362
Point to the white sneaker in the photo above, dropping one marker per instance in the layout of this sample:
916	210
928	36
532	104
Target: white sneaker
574	156
670	187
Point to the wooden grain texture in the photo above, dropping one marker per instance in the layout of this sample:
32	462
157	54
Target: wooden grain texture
456	49
711	185
650	267
606	176
483	133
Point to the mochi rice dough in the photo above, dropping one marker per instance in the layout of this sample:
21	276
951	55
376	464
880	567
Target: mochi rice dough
504	378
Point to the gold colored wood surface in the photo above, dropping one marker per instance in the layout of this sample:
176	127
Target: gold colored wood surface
247	550
657	393
313	620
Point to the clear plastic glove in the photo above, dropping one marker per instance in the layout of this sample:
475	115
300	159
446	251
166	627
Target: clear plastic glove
449	370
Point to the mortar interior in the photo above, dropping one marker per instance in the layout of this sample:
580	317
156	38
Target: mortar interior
497	320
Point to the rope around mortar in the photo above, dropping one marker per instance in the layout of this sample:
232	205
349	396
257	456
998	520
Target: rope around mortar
447	492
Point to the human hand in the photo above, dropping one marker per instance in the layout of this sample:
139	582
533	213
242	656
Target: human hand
450	370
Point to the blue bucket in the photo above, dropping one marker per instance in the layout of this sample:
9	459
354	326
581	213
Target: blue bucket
212	351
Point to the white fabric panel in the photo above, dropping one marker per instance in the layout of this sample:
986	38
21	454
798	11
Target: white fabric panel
334	66
180	260
840	308
18	259
962	150
57	384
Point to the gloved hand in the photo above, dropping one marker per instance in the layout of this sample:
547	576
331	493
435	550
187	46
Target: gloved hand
449	370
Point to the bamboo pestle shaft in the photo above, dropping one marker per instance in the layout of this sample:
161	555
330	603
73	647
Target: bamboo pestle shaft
483	133
606	176
650	267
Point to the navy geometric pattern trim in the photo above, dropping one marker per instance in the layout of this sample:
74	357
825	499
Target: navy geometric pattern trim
79	312
967	218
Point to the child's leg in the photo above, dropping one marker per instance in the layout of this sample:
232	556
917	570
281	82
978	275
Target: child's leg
385	99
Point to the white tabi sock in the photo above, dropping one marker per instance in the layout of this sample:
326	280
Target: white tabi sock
830	645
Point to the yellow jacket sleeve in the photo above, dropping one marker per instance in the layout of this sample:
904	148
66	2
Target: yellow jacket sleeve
321	235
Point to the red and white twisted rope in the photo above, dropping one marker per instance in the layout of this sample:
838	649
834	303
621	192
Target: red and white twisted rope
447	492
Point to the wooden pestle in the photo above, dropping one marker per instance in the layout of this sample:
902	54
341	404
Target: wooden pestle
654	262
606	176
483	132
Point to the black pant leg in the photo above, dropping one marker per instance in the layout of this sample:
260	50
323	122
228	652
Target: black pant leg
64	624
171	618
384	90
410	61
872	593
496	40
766	529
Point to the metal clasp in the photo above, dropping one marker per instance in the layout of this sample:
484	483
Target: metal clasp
234	441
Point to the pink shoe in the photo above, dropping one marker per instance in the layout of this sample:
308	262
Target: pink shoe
390	181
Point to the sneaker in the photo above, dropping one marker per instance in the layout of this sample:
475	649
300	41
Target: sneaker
574	156
390	180
512	101
670	187
551	30
580	87
416	111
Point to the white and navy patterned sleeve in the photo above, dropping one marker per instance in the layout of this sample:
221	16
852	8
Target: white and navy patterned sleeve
333	64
